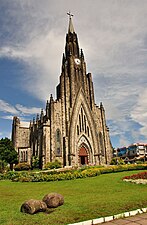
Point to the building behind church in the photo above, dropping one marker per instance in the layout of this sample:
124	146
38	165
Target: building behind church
73	129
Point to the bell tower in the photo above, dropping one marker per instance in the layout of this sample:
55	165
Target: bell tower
82	118
74	67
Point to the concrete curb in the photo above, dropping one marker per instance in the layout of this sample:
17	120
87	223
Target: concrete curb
110	218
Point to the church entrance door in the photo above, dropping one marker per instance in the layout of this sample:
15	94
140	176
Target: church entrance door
83	156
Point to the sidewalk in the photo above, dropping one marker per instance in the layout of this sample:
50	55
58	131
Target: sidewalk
138	216
133	220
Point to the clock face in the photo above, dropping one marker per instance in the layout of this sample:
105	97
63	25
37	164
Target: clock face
77	61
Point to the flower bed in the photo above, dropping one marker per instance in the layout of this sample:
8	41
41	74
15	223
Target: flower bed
57	175
142	175
139	178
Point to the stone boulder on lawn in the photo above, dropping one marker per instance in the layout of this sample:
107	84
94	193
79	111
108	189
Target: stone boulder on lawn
33	206
53	200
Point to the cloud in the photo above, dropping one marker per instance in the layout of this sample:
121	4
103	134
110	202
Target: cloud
114	46
29	110
6	107
113	35
14	53
10	117
24	124
139	112
18	110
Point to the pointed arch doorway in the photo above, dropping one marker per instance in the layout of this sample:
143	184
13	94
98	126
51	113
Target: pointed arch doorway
83	155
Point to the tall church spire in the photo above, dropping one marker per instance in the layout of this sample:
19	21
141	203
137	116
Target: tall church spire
72	46
71	27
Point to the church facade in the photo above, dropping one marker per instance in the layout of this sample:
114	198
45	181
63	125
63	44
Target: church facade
73	129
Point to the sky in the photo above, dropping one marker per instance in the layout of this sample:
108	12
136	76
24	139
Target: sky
113	36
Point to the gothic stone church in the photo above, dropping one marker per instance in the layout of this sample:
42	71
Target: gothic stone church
73	129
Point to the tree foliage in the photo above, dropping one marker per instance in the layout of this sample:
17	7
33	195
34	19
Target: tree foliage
7	152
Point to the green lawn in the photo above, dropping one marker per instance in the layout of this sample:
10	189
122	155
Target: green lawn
85	199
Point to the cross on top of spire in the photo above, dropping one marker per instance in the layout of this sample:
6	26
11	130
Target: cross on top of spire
70	28
70	15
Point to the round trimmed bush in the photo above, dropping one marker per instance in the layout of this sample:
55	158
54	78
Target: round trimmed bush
22	166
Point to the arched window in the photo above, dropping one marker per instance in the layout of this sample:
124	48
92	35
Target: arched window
21	156
85	123
26	156
101	143
88	131
77	130
80	123
58	143
58	135
82	119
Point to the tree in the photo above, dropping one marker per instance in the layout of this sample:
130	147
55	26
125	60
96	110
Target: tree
7	152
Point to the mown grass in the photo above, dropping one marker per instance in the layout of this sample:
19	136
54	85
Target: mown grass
85	199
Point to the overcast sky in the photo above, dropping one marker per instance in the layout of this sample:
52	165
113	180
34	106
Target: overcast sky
113	36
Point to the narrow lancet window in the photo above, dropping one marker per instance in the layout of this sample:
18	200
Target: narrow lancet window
58	143
80	123
88	131
77	130
101	143
85	123
82	119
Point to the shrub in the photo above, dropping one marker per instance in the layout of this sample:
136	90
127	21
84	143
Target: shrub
23	179
3	166
9	175
91	172
1	176
35	162
139	162
53	165
137	166
117	161
106	170
22	166
56	175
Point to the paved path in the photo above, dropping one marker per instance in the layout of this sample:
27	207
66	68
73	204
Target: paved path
133	220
